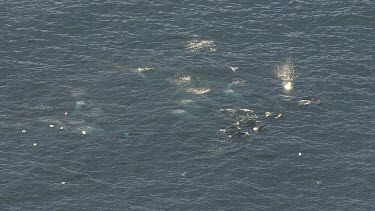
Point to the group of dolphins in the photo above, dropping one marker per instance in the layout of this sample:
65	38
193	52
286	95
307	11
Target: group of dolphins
250	123
247	124
244	125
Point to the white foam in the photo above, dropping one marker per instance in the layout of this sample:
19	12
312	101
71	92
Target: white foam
143	69
178	111
186	101
180	80
198	91
201	45
184	79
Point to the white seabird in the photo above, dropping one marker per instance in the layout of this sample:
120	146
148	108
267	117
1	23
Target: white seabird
234	69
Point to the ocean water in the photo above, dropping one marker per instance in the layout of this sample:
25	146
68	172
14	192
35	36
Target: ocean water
140	105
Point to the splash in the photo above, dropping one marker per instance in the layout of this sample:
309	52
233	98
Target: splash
285	72
180	80
288	85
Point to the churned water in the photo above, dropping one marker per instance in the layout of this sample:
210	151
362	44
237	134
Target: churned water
187	105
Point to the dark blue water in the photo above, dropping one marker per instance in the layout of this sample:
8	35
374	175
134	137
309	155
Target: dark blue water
150	85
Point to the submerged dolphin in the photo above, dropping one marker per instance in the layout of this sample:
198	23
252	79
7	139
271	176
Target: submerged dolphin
258	129
308	100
